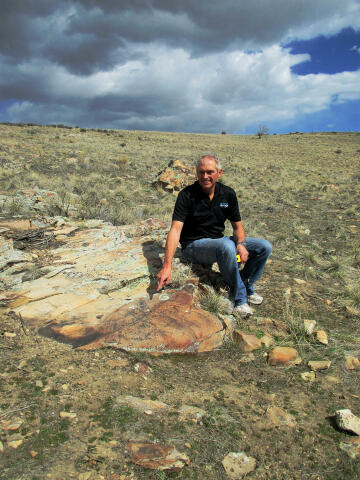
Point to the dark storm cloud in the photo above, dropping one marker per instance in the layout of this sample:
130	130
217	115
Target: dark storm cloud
87	36
186	65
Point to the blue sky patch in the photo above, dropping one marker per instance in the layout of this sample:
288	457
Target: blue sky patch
330	55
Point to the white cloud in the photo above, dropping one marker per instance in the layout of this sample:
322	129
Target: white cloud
172	91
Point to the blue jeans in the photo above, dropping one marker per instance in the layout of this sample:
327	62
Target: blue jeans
223	251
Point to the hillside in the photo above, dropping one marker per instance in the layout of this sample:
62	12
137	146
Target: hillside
301	192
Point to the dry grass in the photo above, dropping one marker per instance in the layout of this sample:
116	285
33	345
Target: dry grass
294	190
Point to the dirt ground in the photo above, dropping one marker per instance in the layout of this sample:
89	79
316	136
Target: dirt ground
305	201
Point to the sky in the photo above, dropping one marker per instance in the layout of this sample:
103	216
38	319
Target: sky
199	66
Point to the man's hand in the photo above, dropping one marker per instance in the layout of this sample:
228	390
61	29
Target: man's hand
244	254
164	276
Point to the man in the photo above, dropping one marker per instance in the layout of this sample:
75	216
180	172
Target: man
198	221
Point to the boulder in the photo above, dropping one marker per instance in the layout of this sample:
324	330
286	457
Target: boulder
98	291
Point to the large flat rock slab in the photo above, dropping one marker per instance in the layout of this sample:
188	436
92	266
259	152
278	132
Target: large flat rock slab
97	292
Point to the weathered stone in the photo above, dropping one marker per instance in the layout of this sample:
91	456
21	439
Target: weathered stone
351	446
280	418
11	425
69	415
141	404
96	294
15	443
352	363
267	340
299	281
322	337
9	255
346	420
319	364
175	176
246	341
33	453
309	326
238	464
308	376
157	457
282	356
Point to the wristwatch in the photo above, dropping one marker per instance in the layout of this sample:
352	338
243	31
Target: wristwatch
240	243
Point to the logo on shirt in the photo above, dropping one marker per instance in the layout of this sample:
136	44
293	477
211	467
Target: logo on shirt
223	204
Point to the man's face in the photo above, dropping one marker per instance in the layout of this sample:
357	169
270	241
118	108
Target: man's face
208	174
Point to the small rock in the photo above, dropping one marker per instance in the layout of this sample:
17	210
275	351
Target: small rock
141	404
156	456
33	453
21	365
346	420
247	342
308	376
309	326
351	446
1	447
299	281
187	445
65	387
9	334
280	418
15	443
11	425
70	415
238	464
283	356
352	363
39	383
322	337
319	364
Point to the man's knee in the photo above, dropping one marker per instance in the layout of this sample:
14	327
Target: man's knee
227	247
267	248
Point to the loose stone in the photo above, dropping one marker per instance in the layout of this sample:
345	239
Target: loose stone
283	356
238	464
346	420
352	363
322	337
247	342
319	364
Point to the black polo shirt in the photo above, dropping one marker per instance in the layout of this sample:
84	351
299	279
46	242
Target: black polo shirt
202	217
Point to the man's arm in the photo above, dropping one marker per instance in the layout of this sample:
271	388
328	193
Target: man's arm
164	276
239	236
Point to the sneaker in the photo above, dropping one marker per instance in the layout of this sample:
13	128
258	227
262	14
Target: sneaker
243	310
255	299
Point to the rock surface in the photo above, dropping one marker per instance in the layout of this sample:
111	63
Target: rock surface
283	356
247	342
319	364
238	464
157	457
346	420
97	292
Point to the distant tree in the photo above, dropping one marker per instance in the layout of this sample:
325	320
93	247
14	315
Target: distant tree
262	130
223	132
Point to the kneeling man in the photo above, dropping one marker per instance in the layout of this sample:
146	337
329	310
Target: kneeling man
198	222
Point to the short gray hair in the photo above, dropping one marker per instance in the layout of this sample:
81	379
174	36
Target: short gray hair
208	155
